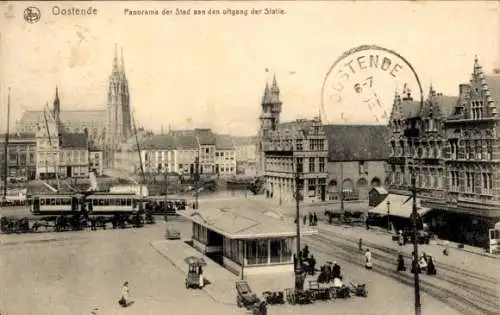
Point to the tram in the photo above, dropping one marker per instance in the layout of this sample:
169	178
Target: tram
494	238
14	197
54	205
156	204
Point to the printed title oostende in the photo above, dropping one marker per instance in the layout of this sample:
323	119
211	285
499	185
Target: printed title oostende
74	11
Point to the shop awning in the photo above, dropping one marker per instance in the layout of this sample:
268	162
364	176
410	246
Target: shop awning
398	205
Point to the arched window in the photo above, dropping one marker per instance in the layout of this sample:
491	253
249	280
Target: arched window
347	185
333	186
362	183
376	181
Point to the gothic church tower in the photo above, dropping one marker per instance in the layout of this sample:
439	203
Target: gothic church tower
118	115
269	117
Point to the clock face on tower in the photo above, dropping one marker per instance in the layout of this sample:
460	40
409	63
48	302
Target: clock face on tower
360	86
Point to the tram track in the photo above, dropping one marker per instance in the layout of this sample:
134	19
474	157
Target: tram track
475	291
473	299
395	252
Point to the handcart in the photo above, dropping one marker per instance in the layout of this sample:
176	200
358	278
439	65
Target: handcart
245	298
193	278
358	289
299	296
321	291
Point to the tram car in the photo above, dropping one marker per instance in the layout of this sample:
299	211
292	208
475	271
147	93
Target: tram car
55	205
156	204
111	204
14	197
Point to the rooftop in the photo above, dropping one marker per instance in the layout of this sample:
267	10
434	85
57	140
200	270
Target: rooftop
245	222
19	136
224	142
357	142
241	141
74	140
159	142
97	116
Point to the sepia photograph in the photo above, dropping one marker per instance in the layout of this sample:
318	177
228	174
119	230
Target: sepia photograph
249	157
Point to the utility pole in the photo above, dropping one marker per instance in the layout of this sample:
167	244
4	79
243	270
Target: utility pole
418	310
196	178
342	210
6	151
299	285
166	185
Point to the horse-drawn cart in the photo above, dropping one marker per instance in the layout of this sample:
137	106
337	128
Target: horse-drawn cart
245	295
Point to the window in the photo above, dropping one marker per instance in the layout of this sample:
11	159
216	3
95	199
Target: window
321	165
300	165
489	149
311	165
281	250
257	252
300	146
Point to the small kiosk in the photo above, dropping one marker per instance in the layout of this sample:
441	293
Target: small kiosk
246	240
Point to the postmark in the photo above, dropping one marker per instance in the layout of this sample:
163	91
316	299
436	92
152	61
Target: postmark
32	15
360	85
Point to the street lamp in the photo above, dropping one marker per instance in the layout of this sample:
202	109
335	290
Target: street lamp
299	281
196	179
388	215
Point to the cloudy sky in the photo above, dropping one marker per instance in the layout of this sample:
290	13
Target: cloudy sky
209	71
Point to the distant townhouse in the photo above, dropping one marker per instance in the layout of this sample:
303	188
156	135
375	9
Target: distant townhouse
225	156
73	155
21	155
246	155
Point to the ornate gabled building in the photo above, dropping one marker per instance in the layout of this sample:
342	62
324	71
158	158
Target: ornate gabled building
287	148
425	154
456	157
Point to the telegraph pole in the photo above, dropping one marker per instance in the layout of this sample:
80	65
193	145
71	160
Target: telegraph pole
418	310
6	151
196	179
299	285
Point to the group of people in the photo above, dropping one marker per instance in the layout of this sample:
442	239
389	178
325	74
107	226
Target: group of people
313	219
305	261
424	263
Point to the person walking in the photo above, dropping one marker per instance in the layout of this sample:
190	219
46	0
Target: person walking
360	244
401	263
125	295
368	259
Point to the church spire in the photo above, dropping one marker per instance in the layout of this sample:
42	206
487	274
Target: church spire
115	61
122	62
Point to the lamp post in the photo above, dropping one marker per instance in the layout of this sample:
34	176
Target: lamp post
388	215
196	179
418	309
299	285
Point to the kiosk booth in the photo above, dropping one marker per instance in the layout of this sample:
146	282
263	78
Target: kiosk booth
245	240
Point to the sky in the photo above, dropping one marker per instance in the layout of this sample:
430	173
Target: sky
210	71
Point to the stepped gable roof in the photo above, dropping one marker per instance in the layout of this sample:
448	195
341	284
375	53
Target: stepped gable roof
224	142
294	128
357	142
441	106
410	109
74	140
159	142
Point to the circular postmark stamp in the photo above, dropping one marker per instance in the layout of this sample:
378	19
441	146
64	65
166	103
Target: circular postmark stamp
360	86
32	14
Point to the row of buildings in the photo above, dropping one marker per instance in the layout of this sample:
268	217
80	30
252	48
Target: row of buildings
177	150
449	144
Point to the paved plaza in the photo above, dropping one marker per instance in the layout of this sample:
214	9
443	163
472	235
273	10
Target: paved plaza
75	272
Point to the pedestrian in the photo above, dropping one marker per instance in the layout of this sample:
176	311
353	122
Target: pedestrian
360	244
312	265
310	219
330	217
315	219
415	266
431	268
294	261
200	272
125	295
305	219
305	251
401	240
368	259
401	263
336	271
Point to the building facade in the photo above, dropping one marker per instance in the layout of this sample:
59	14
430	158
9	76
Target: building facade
21	156
357	156
286	149
455	157
225	156
73	155
246	155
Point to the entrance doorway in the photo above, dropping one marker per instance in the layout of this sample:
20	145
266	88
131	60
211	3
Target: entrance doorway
68	171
